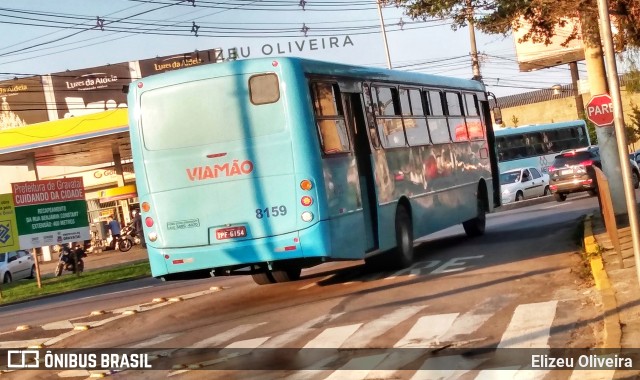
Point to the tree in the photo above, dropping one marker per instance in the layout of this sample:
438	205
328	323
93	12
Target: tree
635	124
503	16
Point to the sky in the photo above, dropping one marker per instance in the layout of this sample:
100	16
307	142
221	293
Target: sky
42	37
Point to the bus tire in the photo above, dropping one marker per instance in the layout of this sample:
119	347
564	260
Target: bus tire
476	226
262	278
286	275
402	255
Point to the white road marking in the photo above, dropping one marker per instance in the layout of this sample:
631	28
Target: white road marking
473	319
427	330
498	373
351	371
375	328
289	336
592	375
446	367
527	332
58	325
225	336
155	340
333	337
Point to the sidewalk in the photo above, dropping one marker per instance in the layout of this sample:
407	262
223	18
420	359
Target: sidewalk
99	260
618	286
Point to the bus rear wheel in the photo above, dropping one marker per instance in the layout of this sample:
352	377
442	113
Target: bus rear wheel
262	278
476	226
286	275
402	255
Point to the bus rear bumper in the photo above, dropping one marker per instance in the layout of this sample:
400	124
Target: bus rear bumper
312	243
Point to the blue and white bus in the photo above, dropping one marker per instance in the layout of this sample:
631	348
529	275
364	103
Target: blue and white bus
537	145
266	167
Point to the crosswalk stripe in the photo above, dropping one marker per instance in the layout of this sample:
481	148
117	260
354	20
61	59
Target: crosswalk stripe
349	371
456	366
592	375
333	337
527	332
225	336
427	330
472	320
289	336
370	330
498	373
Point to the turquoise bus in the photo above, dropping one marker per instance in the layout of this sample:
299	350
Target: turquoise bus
537	145
265	167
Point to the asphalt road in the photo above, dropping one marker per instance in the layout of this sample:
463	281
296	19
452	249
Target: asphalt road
461	292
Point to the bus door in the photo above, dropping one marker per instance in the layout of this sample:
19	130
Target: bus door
352	96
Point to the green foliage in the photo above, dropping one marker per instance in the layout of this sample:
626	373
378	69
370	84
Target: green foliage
541	17
28	289
593	137
635	123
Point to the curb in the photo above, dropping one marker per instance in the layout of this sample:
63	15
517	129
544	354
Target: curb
612	329
524	203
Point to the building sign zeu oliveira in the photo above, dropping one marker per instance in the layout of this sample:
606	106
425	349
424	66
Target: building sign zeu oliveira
50	212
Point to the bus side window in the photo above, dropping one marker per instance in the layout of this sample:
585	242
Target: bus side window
330	118
415	123
457	125
370	110
474	122
389	120
437	120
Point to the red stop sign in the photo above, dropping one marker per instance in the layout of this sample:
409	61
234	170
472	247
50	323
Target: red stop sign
600	110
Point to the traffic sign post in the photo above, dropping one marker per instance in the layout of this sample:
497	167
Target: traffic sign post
600	110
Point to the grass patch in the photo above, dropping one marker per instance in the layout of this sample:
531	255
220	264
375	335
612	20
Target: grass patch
24	290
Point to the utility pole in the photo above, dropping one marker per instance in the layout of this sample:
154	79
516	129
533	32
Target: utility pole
618	120
384	34
475	62
606	135
573	66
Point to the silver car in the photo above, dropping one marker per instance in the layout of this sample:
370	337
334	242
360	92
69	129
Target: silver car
16	265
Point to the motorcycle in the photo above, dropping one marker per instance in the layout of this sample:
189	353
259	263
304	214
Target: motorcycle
68	258
128	238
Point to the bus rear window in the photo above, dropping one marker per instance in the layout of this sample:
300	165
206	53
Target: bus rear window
208	111
264	89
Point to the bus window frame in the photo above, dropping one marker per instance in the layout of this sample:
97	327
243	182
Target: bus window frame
340	116
395	99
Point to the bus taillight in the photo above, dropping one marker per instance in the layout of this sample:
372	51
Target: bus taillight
148	221
306	185
146	206
306	216
306	201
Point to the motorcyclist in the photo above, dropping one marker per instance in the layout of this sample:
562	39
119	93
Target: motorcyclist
137	225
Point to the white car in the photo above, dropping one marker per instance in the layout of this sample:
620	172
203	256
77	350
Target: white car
16	265
523	183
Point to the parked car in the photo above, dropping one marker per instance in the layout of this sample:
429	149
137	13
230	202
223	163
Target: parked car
635	157
522	183
573	171
16	265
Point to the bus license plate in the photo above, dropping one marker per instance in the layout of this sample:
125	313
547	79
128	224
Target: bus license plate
231	233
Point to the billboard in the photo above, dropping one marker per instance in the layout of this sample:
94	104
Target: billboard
87	91
536	55
50	212
8	229
178	61
22	102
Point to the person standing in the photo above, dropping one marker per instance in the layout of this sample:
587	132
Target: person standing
137	225
115	229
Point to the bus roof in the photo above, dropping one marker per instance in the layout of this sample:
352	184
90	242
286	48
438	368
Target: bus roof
537	127
319	67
